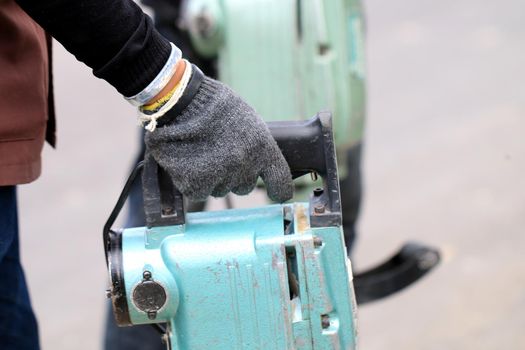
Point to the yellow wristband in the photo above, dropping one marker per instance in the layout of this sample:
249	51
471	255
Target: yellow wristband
161	101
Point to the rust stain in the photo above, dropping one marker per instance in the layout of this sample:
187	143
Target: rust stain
301	217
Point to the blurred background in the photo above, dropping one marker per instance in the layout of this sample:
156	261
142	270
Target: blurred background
444	164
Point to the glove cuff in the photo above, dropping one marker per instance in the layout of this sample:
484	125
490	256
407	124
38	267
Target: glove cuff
194	84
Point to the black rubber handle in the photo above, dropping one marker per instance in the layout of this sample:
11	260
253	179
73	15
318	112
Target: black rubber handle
308	146
302	144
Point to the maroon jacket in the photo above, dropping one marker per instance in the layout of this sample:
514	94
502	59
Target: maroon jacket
25	105
124	50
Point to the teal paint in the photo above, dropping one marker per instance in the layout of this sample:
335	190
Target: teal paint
289	58
227	278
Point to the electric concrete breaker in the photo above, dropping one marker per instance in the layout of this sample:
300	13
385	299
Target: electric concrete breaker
274	277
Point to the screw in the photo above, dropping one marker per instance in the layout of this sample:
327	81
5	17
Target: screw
146	275
318	191
325	321
152	315
319	209
318	241
167	211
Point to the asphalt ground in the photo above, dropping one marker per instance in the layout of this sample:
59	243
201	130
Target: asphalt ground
444	165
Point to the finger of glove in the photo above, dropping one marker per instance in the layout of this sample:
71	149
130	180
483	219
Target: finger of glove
223	188
196	188
196	194
246	186
278	180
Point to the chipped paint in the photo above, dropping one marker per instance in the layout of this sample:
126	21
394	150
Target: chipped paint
301	217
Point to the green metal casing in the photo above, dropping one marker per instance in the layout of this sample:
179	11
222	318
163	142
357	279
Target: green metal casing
289	58
236	279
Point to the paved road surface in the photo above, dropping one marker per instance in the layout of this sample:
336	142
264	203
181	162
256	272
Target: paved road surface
445	164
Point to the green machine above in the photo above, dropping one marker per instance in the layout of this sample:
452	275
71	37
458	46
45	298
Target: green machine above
294	56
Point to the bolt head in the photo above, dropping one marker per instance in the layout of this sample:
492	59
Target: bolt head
146	275
319	209
318	241
325	321
167	211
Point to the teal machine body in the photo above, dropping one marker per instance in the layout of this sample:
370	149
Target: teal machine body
274	277
235	279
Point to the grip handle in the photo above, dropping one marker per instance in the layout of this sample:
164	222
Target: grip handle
303	143
308	146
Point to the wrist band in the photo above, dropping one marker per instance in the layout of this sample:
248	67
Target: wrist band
150	114
160	80
196	79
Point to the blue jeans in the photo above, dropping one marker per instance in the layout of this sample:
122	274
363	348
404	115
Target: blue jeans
18	326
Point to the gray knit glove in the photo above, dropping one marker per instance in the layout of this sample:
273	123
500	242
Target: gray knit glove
218	144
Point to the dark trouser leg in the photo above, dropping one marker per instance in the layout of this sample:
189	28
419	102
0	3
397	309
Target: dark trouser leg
351	193
18	326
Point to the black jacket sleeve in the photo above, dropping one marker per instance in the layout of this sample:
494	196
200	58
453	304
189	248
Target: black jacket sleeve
113	37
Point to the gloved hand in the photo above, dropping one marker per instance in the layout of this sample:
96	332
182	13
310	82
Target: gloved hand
216	143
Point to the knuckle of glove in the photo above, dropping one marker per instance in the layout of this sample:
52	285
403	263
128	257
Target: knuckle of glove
246	184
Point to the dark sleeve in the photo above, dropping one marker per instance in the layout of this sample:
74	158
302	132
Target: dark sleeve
113	37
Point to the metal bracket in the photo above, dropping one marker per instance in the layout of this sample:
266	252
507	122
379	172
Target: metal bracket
163	203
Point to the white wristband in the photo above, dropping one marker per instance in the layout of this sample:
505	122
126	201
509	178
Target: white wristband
160	80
